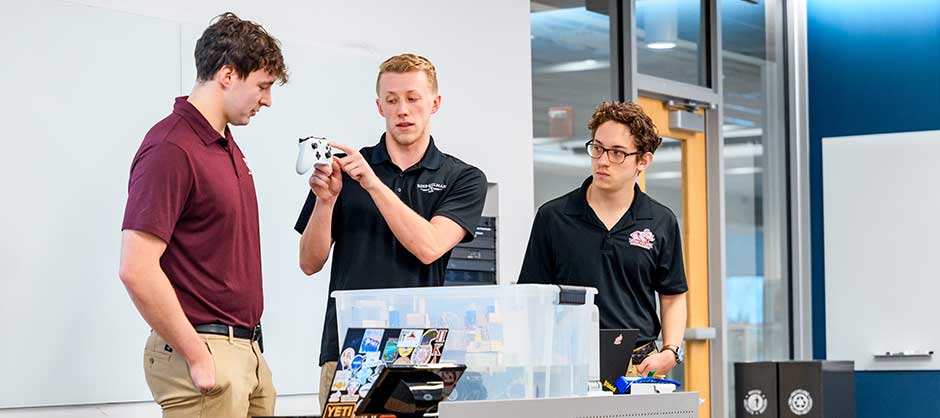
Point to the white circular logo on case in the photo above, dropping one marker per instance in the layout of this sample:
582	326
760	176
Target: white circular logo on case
755	402
800	402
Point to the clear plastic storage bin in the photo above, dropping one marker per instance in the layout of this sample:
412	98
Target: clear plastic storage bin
518	341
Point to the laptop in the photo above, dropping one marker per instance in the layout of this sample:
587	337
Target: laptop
367	351
616	346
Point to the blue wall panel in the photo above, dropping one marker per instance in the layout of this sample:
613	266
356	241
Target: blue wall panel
874	67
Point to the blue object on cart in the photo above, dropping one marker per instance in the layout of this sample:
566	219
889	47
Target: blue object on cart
624	383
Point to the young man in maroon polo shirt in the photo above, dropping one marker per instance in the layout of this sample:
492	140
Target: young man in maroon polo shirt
190	250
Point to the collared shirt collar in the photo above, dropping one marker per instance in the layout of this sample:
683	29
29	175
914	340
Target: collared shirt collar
432	156
577	204
198	122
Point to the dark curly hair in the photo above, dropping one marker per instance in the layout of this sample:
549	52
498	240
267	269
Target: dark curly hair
242	44
630	114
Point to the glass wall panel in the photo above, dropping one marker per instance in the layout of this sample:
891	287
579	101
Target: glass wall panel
570	77
754	129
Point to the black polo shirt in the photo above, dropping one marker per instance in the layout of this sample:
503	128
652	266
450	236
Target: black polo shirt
641	255
366	255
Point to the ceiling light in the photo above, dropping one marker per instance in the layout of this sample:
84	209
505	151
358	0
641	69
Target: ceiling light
661	24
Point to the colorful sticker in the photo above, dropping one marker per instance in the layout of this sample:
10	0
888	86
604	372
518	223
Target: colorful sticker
349	398
356	362
409	338
405	351
333	410
421	355
429	336
391	350
371	341
346	358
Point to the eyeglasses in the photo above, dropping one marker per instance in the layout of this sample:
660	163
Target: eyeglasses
614	155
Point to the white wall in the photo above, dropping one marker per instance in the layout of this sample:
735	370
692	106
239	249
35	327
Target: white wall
482	53
481	50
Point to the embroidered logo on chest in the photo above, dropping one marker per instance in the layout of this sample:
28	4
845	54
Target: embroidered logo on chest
642	239
431	187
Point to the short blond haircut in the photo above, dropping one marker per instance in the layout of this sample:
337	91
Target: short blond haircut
406	63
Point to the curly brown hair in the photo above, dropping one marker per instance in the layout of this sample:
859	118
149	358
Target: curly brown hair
630	114
406	63
241	44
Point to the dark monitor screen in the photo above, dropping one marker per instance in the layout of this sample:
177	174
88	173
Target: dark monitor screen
410	389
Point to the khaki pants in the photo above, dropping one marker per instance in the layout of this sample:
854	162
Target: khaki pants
243	380
639	354
327	371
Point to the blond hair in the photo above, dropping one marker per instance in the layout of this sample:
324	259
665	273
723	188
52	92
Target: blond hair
406	63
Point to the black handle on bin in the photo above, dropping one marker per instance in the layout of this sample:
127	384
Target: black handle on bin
571	295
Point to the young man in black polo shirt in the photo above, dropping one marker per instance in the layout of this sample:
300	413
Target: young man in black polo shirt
610	235
394	210
191	250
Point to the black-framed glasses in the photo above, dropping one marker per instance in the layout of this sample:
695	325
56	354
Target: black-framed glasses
615	156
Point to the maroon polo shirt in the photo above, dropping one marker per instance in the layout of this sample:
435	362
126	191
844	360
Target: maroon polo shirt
192	188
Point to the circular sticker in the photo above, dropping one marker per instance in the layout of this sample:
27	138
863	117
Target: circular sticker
755	403
404	352
356	362
402	360
800	402
421	355
346	358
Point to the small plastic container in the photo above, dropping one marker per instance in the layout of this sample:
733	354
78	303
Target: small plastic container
518	341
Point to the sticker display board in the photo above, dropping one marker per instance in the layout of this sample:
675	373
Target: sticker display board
366	351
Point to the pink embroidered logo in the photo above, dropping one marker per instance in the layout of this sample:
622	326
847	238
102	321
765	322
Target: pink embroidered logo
642	239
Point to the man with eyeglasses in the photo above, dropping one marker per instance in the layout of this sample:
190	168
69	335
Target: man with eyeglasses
610	235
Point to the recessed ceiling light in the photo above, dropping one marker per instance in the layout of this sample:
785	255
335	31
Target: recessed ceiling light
661	45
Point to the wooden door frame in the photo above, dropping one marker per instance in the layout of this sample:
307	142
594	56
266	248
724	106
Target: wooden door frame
695	244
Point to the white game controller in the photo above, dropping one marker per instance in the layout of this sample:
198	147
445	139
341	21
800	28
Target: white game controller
314	151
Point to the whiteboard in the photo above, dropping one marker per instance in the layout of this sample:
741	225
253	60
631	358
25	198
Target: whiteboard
882	243
83	86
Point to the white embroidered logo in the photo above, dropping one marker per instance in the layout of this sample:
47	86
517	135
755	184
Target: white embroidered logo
431	187
642	239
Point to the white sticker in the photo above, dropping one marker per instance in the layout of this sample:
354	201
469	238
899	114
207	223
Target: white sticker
340	379
346	358
421	355
409	338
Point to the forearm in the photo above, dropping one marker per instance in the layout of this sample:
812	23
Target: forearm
157	302
317	238
417	234
673	318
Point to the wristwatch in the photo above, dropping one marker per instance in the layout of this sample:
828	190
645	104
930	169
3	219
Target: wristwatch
677	350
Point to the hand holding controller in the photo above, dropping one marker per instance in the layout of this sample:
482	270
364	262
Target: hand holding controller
314	151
